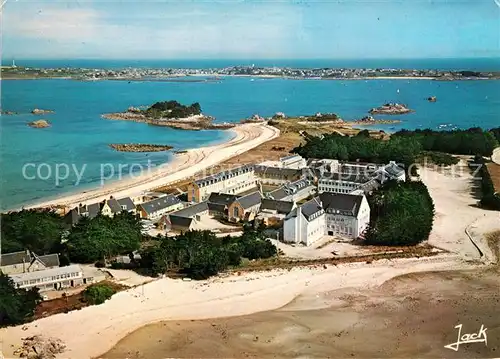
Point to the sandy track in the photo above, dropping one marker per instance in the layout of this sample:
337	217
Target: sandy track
184	165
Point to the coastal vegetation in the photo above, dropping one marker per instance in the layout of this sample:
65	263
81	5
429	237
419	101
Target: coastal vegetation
201	254
98	293
362	148
402	214
36	230
139	147
489	198
439	158
172	109
496	132
16	305
102	237
473	141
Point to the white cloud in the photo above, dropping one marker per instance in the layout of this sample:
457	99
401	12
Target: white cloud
155	32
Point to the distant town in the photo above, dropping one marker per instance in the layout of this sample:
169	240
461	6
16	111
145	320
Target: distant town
18	72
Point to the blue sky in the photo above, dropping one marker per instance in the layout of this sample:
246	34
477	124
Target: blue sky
251	29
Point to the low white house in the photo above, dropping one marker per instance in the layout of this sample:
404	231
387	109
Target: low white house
345	215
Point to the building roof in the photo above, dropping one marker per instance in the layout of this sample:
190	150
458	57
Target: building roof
394	170
290	188
21	277
180	221
114	205
277	171
50	260
223	175
290	157
216	207
250	200
9	259
345	177
93	210
191	210
72	217
222	198
345	204
127	202
311	207
283	207
158	204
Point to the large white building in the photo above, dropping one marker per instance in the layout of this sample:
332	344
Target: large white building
344	215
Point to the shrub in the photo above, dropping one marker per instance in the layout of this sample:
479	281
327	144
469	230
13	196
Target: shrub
98	293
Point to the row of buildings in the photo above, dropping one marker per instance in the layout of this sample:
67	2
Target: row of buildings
308	199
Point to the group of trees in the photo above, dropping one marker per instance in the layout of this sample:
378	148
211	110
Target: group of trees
90	240
496	132
102	237
201	254
361	147
37	230
489	199
98	293
173	109
473	141
16	305
402	213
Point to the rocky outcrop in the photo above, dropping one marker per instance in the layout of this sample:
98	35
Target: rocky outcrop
391	109
196	122
38	111
432	99
8	113
40	348
39	124
139	147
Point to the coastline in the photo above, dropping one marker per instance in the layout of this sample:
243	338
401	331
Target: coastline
183	165
170	299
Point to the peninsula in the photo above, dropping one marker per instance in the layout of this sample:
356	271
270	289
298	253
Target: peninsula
174	74
170	114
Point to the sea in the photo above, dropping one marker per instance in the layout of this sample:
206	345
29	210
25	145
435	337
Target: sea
78	140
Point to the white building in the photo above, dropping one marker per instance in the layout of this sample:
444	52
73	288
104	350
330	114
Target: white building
50	279
306	224
238	180
345	215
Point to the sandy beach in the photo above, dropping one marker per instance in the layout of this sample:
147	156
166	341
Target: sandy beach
184	165
94	330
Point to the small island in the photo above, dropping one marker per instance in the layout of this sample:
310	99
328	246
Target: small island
38	111
432	99
391	109
139	147
2	112
39	124
170	114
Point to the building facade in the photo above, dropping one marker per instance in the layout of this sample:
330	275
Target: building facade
156	208
234	181
344	215
50	279
245	208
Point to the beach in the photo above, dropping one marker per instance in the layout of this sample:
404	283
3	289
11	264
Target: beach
92	331
184	165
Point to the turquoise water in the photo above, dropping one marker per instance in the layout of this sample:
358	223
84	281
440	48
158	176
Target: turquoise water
80	136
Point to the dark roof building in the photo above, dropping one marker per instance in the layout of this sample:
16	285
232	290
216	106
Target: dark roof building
341	203
250	200
126	204
159	204
9	259
281	207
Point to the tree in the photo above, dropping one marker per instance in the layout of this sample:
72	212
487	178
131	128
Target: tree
37	230
102	237
16	305
402	213
98	293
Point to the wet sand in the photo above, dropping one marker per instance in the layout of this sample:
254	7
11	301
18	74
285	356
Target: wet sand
408	316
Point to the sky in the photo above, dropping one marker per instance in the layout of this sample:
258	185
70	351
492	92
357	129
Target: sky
273	29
